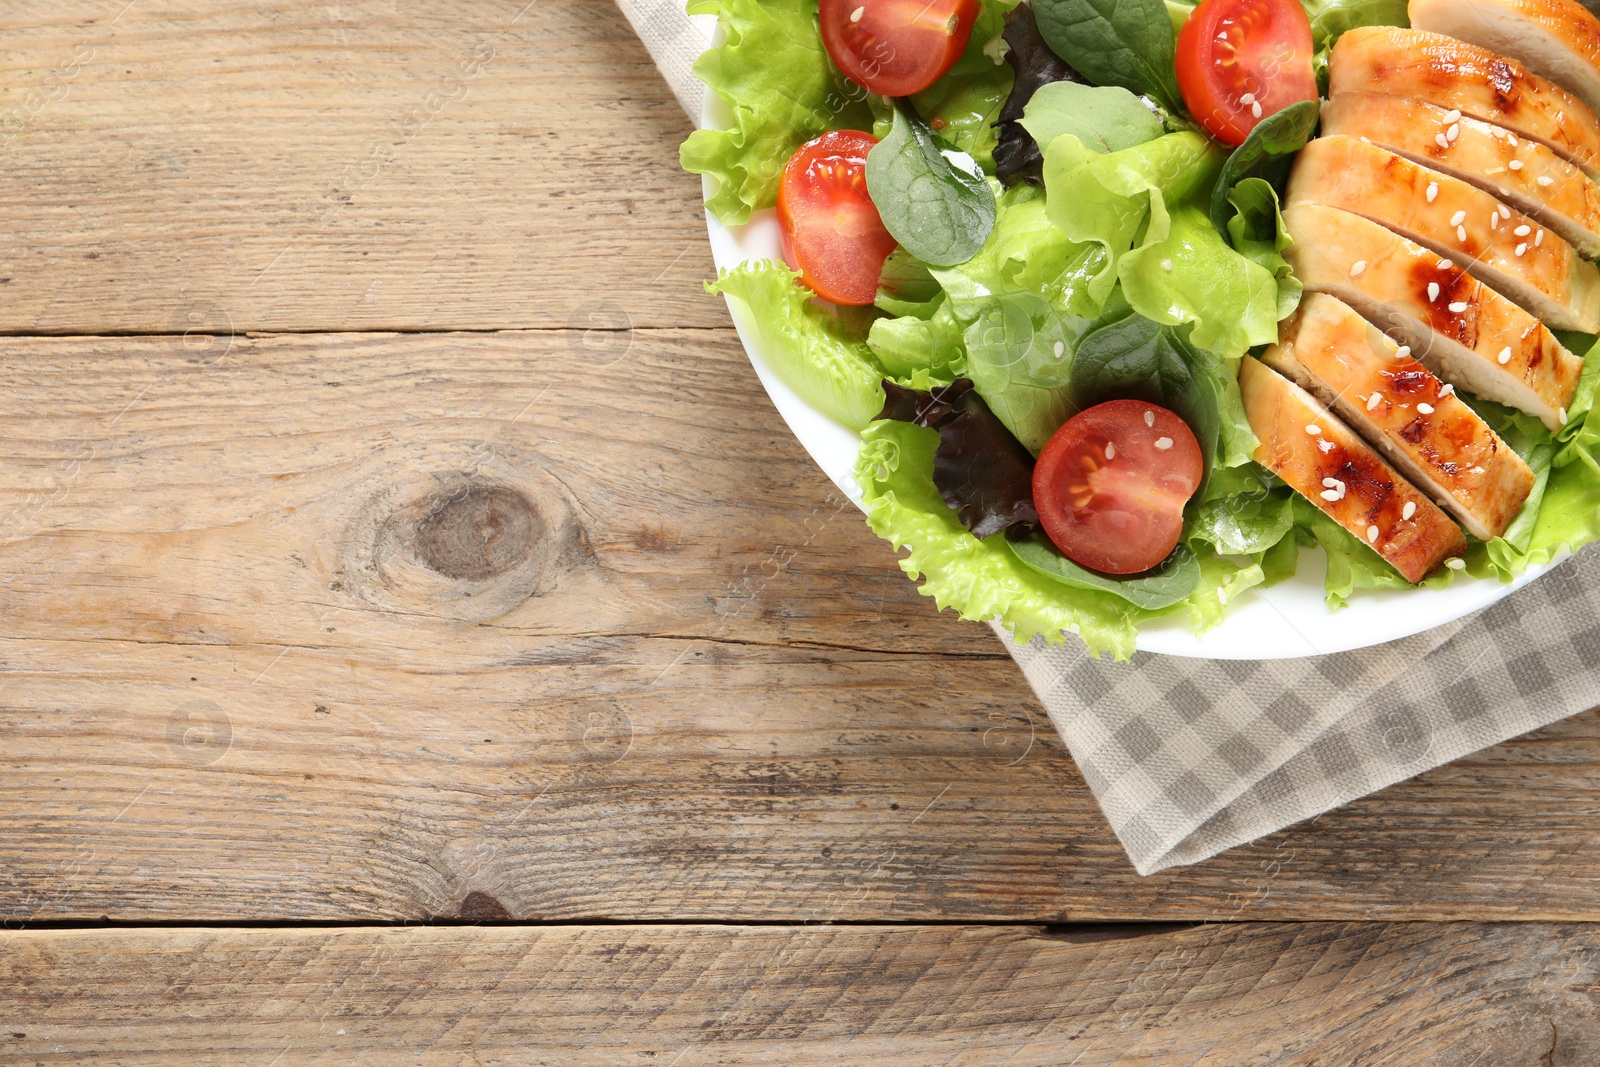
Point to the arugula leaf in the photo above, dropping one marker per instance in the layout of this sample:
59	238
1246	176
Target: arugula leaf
939	211
1106	119
1138	359
1266	153
1115	42
1169	584
983	474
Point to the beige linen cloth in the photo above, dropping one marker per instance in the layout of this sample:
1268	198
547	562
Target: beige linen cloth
1189	757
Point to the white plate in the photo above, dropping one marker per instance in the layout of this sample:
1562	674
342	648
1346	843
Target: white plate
1290	619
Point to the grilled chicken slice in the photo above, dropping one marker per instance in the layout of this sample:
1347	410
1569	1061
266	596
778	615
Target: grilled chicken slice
1505	248
1522	173
1558	38
1463	77
1324	461
1459	328
1418	423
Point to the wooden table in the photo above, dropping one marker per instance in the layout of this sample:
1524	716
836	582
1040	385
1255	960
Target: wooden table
426	645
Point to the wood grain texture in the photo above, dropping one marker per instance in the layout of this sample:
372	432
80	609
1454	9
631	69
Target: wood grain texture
1379	995
356	627
178	165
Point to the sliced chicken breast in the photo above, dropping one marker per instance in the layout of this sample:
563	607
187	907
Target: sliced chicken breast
1418	423
1504	248
1558	38
1463	77
1324	461
1459	328
1524	174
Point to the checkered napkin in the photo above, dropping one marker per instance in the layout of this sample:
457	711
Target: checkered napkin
1189	757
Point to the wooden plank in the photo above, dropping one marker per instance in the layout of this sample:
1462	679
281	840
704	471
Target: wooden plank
375	627
1306	993
459	164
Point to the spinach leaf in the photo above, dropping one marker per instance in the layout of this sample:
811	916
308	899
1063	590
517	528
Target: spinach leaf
1266	153
1138	359
1018	156
1169	584
938	208
1106	119
1115	42
981	471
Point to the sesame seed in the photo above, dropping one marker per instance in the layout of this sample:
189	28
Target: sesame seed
1357	267
1313	429
1523	230
1222	594
1563	413
1372	535
1515	164
1111	451
1522	248
1325	446
1456	563
1454	131
1546	180
1409	510
855	16
1505	212
1448	390
1538	239
1403	352
1426	409
1433	188
1452	115
1255	110
1494	221
1366	140
1247	99
1461	233
1149	418
1163	443
1505	355
1445	264
1060	349
1330	483
1458	218
1433	291
1457	306
1374	400
1511	139
1440	140
1331	495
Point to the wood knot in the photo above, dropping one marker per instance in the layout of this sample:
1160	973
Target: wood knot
477	533
481	907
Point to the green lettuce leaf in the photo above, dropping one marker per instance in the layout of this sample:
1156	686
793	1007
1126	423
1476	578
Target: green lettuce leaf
776	78
1258	234
980	580
1105	119
1146	208
911	343
809	348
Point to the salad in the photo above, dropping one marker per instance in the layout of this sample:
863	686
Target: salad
1130	302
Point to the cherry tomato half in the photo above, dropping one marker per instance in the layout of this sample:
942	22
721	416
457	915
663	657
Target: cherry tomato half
896	47
831	230
1111	484
1242	60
